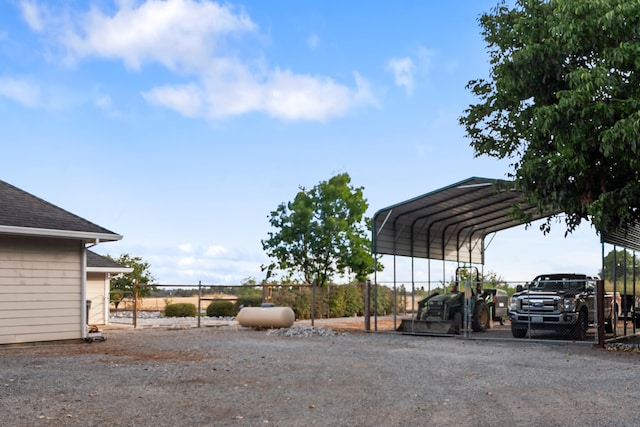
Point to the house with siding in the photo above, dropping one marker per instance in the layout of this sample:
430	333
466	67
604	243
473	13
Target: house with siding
44	269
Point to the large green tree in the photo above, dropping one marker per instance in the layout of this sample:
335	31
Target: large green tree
321	233
563	103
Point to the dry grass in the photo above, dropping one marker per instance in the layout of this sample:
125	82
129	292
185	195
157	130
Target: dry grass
158	304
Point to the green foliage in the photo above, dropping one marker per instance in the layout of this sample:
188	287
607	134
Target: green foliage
123	285
331	301
221	309
322	232
620	267
298	298
490	280
353	300
250	288
249	301
180	310
563	103
382	303
337	303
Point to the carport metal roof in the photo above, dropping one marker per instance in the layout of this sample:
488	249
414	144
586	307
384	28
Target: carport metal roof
451	223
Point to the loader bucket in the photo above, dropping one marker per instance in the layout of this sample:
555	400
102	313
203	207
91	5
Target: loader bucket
439	327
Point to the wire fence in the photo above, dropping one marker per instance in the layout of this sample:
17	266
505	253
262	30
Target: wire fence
576	310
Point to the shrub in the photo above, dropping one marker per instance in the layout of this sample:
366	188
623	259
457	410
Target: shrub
221	309
246	301
180	310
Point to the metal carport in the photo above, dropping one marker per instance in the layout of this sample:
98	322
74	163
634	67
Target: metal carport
451	223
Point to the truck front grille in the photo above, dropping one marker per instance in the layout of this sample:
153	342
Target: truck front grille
540	304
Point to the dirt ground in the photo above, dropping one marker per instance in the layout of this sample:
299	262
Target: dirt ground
230	376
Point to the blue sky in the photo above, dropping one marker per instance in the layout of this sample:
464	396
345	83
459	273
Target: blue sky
181	124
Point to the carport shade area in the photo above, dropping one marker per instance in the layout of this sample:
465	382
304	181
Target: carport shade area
451	224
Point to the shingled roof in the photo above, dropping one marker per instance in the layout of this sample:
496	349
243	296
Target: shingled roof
99	263
22	213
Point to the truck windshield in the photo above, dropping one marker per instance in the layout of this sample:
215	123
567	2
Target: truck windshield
557	283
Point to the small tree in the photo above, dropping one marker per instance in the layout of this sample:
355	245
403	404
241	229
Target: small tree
123	284
322	232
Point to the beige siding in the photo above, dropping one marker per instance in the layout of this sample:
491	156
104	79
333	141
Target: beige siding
40	289
96	292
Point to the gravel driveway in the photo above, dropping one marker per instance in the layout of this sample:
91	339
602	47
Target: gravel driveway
231	376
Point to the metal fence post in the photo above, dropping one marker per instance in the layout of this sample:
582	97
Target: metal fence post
135	303
199	297
367	321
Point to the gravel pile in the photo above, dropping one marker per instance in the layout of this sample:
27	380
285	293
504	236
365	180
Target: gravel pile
303	376
623	346
307	331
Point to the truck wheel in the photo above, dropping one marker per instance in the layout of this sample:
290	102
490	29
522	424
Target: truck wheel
518	333
579	332
480	319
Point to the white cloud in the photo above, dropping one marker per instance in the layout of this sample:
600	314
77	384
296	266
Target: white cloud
22	91
292	96
403	72
215	250
281	94
195	40
212	266
185	99
104	103
186	247
409	70
186	261
179	34
32	16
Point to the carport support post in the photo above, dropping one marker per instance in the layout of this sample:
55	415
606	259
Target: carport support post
600	313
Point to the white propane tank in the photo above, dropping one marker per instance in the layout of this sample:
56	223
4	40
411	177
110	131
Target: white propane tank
266	317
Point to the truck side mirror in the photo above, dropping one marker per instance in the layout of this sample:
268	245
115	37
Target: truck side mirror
519	288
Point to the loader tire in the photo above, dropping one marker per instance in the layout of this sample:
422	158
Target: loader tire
457	323
480	319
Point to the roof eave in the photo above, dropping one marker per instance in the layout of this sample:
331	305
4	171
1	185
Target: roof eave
60	234
109	270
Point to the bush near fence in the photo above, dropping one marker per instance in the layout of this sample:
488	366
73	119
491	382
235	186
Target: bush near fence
180	310
221	309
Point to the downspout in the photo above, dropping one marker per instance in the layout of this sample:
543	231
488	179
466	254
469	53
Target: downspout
106	298
83	292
